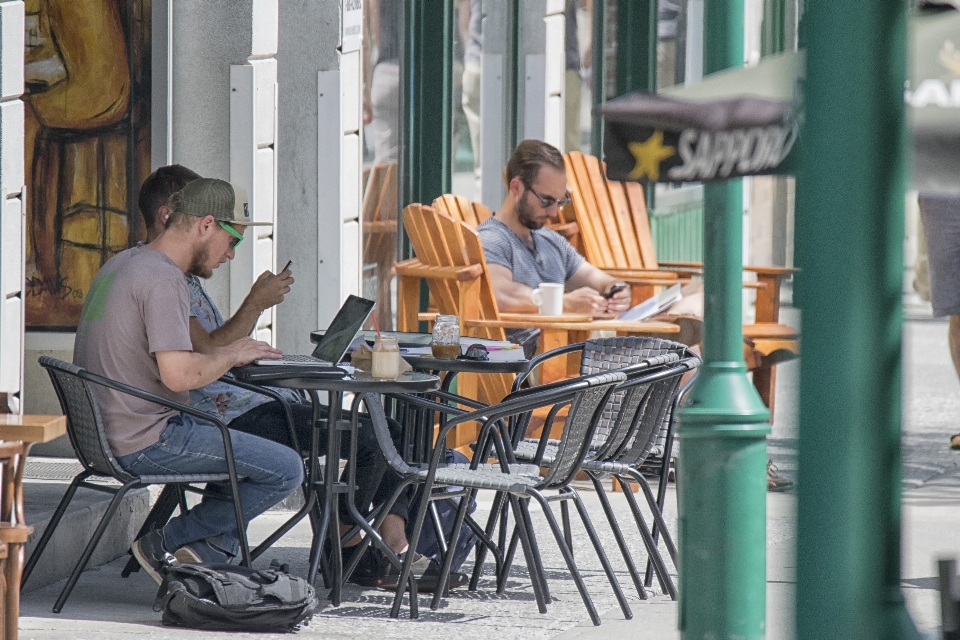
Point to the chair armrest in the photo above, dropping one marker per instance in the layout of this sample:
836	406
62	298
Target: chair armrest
780	273
150	397
538	359
416	269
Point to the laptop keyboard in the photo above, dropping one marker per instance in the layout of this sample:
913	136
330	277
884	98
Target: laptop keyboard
294	360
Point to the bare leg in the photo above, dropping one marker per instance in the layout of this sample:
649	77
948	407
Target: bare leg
394	533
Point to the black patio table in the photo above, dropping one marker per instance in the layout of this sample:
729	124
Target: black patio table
418	439
313	382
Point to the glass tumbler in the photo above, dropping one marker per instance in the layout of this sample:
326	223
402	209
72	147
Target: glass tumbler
446	337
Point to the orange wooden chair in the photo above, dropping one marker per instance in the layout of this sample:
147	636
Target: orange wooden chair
379	215
615	236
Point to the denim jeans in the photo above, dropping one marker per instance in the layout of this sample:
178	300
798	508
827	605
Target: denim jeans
271	472
375	482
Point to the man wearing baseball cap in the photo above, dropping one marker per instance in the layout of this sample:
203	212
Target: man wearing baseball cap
134	328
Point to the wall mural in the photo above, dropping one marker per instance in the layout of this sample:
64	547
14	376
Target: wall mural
87	146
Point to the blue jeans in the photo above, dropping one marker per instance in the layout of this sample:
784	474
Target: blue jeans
271	472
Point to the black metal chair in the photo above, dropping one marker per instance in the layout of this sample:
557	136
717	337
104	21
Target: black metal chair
75	388
586	397
636	421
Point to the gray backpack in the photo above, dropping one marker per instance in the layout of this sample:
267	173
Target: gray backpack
227	597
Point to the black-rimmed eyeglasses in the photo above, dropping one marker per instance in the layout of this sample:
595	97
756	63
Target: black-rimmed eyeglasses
546	201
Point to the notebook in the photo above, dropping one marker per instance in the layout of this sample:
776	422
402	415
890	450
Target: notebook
337	338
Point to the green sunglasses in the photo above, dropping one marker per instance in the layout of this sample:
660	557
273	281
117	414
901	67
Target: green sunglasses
236	234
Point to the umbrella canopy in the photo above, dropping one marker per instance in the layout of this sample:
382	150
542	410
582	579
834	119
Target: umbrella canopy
741	122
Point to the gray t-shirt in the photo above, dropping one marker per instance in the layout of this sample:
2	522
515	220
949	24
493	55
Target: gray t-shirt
552	259
137	305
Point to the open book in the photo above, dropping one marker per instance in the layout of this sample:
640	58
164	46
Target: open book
652	306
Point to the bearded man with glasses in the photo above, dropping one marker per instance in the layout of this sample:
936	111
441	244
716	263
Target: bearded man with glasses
522	253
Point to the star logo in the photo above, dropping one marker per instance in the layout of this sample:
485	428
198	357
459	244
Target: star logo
649	154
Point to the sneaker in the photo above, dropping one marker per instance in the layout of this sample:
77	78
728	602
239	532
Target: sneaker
955	441
201	551
151	553
776	482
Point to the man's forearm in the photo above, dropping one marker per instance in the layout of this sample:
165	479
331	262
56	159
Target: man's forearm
239	326
186	370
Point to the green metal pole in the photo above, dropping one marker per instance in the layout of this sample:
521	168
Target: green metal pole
636	62
426	110
850	198
598	73
723	427
636	46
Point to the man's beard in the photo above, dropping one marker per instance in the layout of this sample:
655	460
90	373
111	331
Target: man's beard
526	216
198	265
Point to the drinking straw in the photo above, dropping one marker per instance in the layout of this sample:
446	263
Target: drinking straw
376	326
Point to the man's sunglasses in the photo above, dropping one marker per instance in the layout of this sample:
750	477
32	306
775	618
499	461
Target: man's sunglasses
238	237
547	202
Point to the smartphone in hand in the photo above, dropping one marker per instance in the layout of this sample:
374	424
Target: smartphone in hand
617	288
287	266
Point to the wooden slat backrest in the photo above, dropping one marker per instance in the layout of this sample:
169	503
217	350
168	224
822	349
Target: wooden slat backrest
440	240
641	223
612	216
592	239
459	208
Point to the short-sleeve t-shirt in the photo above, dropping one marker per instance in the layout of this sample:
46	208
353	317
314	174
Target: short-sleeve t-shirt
137	305
552	259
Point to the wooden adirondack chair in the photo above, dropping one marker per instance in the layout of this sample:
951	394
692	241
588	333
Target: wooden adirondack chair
379	215
451	260
615	236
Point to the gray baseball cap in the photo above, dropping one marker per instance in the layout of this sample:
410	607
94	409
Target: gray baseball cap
218	198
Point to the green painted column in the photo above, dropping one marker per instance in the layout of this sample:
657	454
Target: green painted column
849	234
599	73
426	111
722	429
426	100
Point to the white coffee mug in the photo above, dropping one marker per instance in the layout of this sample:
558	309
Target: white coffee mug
549	297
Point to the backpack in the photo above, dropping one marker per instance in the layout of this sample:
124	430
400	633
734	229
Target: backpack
227	597
447	510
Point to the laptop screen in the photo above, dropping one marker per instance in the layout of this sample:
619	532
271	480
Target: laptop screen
344	328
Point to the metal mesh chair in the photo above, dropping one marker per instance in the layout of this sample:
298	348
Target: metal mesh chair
636	420
76	390
586	397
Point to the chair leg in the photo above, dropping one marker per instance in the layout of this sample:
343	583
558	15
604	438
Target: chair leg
482	549
92	545
523	503
567	556
661	495
451	545
168	500
51	526
534	566
666	583
659	523
604	561
565	519
618	535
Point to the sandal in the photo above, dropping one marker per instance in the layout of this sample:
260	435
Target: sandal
775	482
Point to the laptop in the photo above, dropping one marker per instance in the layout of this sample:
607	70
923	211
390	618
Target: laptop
334	344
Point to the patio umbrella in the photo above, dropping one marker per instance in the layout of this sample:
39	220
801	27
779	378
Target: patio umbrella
746	121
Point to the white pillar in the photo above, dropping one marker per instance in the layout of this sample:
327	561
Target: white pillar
12	198
555	70
319	162
214	111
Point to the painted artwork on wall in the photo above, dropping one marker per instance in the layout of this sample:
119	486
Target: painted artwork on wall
87	146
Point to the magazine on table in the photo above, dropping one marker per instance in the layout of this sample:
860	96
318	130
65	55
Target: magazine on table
653	306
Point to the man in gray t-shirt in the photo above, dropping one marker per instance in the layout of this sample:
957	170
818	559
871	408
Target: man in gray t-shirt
134	328
521	254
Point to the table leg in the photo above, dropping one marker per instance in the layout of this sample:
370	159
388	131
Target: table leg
312	473
332	469
555	368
